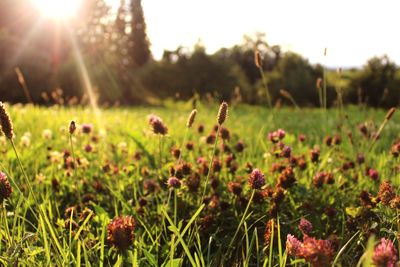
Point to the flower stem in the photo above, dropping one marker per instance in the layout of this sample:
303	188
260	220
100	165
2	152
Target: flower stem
243	218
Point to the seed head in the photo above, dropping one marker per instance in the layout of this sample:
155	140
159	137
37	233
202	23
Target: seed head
5	188
285	94
319	83
191	118
390	113
120	232
222	113
257	59
6	123
72	127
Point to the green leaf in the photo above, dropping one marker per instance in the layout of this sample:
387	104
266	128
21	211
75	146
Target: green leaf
353	211
173	263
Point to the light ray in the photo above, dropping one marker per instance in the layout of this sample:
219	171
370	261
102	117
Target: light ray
85	78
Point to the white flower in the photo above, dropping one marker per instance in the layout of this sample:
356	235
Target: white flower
25	141
47	134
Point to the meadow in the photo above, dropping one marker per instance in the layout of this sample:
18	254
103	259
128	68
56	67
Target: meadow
154	186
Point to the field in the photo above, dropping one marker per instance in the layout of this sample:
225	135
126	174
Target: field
261	188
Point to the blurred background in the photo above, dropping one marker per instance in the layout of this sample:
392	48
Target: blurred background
130	52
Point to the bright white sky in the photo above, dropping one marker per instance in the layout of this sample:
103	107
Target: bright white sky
352	30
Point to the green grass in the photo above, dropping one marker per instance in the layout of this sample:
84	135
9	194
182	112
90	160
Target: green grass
175	228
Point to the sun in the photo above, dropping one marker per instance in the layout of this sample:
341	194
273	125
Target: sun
58	9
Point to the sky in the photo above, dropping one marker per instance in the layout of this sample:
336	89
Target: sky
352	30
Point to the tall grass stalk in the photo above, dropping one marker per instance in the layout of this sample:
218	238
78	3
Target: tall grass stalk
74	167
259	65
210	165
242	220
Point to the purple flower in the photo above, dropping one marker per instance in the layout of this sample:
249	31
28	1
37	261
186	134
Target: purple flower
158	125
5	188
87	128
317	252
385	254
293	245
256	179
305	226
174	182
281	134
373	174
120	232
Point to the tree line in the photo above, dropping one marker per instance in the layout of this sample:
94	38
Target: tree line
42	62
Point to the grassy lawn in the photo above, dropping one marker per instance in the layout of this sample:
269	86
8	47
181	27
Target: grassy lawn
320	180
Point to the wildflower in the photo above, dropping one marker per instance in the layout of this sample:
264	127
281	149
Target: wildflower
286	152
189	145
150	186
235	188
176	153
120	232
191	118
222	113
217	165
302	138
360	158
200	128
269	227
281	134
395	150
366	199
293	245
210	139
316	252
6	123
224	133
193	182
158	125
256	179
314	155
385	254
337	140
87	128
123	146
363	129
239	147
25	140
386	193
395	203
286	178
305	226
47	134
278	195
72	127
373	174
319	178
328	140
5	188
88	148
174	182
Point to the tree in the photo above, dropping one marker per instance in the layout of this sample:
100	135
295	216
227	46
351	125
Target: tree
139	43
378	83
